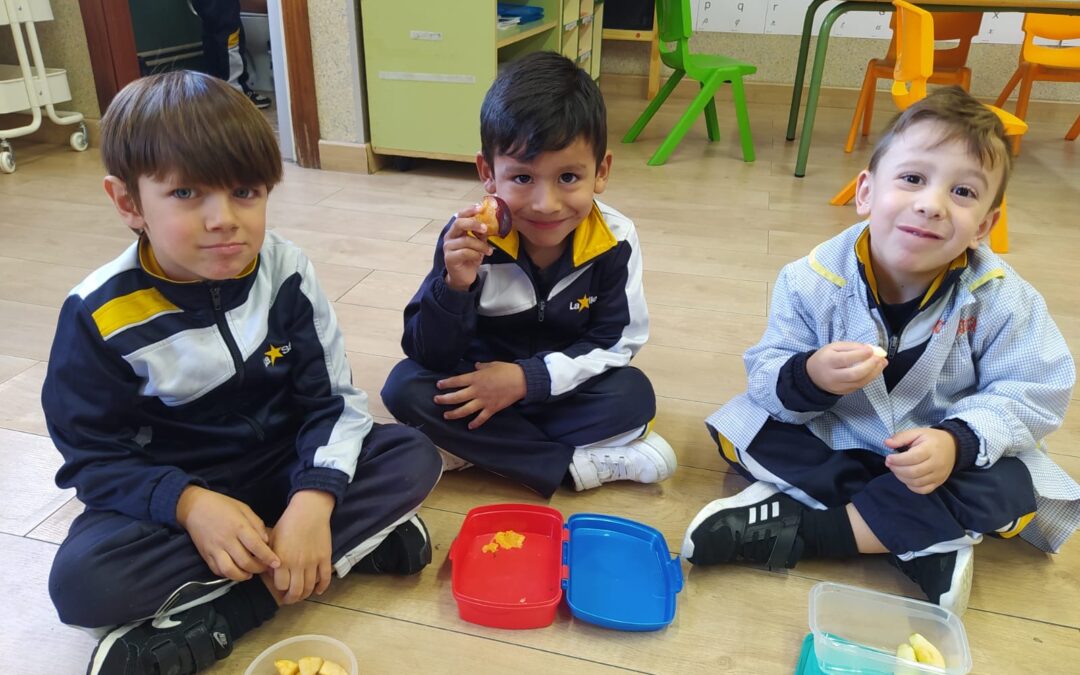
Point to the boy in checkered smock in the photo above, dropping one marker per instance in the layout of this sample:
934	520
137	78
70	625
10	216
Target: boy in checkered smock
921	451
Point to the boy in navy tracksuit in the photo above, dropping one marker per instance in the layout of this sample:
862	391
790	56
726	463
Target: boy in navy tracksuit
519	346
920	450
199	392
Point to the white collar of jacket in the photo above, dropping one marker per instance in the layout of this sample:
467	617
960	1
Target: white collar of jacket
591	238
833	261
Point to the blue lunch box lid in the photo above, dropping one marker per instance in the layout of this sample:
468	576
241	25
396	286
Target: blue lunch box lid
618	573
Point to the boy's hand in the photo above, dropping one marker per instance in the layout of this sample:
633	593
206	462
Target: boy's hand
927	463
464	247
843	367
302	539
228	535
487	390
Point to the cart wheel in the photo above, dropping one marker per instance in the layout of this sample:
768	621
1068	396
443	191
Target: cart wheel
7	162
80	140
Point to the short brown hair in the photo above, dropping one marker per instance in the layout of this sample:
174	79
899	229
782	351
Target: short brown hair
964	119
191	126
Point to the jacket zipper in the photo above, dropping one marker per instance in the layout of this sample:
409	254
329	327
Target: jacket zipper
540	310
894	345
219	319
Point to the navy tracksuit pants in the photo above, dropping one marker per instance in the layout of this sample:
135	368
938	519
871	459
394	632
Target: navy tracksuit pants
971	502
529	443
112	568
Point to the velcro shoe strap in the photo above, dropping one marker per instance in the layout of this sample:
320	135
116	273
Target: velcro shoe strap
201	644
167	657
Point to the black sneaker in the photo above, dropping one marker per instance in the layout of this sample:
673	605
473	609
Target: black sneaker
258	99
406	550
945	578
181	644
760	524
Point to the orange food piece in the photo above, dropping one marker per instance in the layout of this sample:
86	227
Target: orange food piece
506	539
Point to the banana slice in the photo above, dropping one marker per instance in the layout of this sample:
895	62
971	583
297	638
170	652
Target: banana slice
925	651
906	654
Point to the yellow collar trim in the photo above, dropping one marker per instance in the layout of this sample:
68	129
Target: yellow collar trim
590	239
996	273
862	251
152	267
823	271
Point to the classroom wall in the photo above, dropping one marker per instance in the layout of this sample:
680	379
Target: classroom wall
775	57
336	56
63	45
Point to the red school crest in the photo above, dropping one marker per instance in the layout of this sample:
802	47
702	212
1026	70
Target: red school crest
965	326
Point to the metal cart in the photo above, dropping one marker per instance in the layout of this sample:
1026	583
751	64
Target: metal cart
31	86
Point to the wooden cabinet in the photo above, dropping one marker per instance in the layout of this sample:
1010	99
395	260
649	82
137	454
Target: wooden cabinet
429	63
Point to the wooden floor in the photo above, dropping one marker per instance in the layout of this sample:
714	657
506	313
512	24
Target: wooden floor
715	232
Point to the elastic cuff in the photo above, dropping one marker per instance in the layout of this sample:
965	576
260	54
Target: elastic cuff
537	380
165	496
328	480
797	392
454	302
967	443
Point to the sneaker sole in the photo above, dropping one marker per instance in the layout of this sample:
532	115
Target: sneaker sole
661	453
960	588
757	492
97	661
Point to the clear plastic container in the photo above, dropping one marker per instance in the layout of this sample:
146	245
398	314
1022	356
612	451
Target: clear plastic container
296	648
857	631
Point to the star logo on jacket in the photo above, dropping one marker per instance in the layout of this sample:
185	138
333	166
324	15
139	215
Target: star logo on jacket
270	356
583	303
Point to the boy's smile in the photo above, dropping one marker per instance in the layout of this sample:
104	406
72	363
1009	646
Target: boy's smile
548	196
197	233
928	200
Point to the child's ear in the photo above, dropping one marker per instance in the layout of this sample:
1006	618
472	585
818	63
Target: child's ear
487	173
862	193
124	202
983	231
603	172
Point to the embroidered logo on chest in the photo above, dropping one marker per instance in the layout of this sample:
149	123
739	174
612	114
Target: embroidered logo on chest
270	356
583	303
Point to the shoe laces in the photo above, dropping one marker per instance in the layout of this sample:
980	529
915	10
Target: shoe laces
612	466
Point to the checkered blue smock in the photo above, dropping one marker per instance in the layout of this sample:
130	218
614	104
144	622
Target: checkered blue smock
994	359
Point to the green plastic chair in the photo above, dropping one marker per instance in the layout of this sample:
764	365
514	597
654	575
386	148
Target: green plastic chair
711	71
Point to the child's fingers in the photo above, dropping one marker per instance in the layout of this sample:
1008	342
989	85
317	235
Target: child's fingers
473	244
243	559
296	587
481	418
462	227
259	548
282	578
455	382
469	408
228	569
326	572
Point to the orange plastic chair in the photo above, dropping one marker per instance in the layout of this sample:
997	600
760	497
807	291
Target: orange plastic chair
1039	62
914	34
949	64
1074	130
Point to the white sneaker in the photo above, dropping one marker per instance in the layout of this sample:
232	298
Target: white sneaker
452	462
646	460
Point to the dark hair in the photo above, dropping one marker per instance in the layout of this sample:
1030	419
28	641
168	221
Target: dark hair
963	119
539	103
191	126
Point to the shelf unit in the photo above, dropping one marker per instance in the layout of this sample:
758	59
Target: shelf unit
428	64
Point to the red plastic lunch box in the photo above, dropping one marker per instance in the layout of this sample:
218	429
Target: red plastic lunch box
615	572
